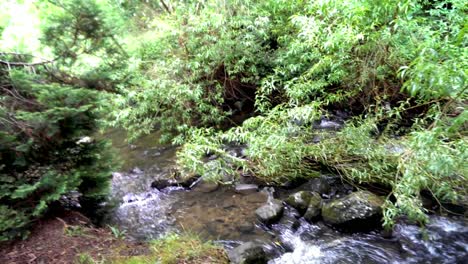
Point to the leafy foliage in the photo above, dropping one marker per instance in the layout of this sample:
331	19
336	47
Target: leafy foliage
76	28
399	66
43	149
190	68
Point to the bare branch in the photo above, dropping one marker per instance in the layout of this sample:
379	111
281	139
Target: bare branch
165	6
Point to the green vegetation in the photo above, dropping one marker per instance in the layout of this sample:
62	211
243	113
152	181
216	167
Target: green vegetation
398	67
117	232
46	141
188	248
196	69
171	249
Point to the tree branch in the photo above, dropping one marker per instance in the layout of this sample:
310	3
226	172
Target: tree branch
165	6
28	64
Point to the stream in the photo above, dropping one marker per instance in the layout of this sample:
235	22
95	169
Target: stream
228	217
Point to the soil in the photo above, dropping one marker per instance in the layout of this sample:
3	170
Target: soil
63	237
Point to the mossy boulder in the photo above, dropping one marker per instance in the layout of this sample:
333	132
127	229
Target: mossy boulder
299	201
270	212
356	206
314	208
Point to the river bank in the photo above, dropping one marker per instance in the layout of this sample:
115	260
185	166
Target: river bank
226	214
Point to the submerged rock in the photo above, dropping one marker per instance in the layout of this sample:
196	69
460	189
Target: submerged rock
299	201
359	205
314	208
206	186
248	253
246	188
270	212
246	228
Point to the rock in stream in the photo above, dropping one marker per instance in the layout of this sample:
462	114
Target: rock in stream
359	205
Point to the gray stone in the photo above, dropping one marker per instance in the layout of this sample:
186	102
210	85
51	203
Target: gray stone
246	228
359	205
319	185
248	253
299	201
246	188
270	212
329	125
314	208
136	170
206	186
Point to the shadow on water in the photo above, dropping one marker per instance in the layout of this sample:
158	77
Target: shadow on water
229	218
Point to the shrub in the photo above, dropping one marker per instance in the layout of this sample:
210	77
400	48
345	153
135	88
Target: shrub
45	148
397	66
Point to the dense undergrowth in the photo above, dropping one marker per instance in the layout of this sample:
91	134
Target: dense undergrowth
192	69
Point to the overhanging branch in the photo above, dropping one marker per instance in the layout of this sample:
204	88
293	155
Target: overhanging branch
25	64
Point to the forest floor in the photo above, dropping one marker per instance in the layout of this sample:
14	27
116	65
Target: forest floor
67	238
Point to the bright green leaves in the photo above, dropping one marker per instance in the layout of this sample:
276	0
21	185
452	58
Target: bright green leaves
438	73
275	148
81	32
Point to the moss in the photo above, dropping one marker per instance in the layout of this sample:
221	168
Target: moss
358	205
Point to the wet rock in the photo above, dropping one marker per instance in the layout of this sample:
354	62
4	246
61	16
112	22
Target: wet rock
248	253
299	201
246	188
319	185
314	208
270	212
359	205
294	183
327	124
206	186
289	219
246	228
454	209
316	139
387	233
428	201
187	182
136	170
163	183
71	200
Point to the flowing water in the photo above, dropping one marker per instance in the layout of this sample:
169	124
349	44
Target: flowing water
229	218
